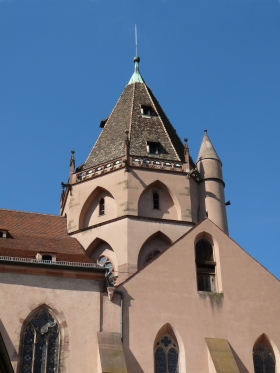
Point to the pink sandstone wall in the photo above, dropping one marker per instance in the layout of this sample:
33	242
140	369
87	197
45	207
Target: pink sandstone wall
126	237
165	291
126	188
76	304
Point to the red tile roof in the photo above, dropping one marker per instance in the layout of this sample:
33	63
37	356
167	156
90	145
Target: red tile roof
32	233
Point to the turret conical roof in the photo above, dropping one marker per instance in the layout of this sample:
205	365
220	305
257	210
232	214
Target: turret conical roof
139	112
207	149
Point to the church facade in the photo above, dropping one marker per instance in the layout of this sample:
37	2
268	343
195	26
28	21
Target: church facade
138	273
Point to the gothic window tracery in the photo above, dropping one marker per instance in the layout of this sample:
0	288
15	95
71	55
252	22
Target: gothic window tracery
41	340
105	262
152	255
264	361
205	266
166	355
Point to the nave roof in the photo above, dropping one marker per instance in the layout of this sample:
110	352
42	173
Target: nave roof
31	233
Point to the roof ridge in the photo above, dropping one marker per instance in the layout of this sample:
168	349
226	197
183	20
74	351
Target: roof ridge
131	112
30	212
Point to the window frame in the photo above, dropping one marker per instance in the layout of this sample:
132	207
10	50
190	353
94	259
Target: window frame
206	276
263	351
45	333
153	148
173	345
148	111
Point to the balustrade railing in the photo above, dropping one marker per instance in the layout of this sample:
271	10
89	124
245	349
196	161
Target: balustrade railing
49	262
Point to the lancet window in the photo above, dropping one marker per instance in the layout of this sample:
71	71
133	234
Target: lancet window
205	266
41	340
166	355
102	206
264	360
156	200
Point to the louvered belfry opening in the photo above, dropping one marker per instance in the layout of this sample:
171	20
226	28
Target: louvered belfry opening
205	266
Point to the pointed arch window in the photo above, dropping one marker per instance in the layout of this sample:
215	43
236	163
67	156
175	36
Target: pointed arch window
102	206
264	360
166	355
41	340
156	200
205	266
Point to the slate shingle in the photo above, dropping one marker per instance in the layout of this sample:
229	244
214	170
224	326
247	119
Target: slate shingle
126	115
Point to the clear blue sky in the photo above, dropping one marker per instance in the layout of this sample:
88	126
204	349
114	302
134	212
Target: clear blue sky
212	64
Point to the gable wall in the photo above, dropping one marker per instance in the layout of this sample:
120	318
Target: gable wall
166	291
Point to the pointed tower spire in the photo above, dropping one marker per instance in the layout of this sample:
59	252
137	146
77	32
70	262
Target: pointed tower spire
207	150
150	132
211	185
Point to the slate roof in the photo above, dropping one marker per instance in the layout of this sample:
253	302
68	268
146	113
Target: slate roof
30	233
126	115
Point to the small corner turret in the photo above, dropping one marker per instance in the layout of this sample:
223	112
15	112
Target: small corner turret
211	185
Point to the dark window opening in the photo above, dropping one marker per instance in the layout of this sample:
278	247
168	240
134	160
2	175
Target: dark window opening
4	234
102	207
148	110
264	360
103	122
47	257
156	200
153	147
205	266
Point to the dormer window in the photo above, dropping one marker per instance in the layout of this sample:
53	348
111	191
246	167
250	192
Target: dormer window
3	233
148	111
153	147
46	257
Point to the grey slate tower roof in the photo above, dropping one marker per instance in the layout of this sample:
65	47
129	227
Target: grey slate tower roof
127	115
207	149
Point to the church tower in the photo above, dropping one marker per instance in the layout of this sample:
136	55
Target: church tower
138	190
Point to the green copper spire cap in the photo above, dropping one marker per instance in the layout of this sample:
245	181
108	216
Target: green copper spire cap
136	77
